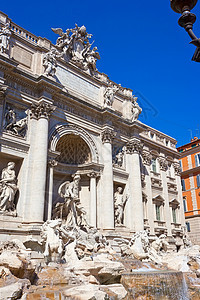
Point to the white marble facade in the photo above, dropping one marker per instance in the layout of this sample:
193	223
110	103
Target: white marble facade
61	117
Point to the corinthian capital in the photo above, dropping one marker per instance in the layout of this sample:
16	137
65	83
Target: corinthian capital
41	110
177	169
163	163
107	135
146	158
134	146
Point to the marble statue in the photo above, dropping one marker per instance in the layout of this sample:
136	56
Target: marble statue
5	34
11	124
71	210
109	95
8	188
53	242
10	118
119	205
50	62
75	46
136	109
139	245
119	159
90	59
70	189
186	240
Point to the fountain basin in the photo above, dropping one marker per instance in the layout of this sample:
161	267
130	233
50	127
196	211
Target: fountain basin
157	285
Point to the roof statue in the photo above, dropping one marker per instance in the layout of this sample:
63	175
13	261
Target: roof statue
75	47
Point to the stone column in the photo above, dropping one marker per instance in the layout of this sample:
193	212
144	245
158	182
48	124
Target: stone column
93	199
107	206
134	207
167	210
52	164
40	115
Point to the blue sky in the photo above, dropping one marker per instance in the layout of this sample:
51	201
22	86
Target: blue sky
141	46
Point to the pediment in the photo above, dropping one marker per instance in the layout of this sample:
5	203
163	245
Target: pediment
158	198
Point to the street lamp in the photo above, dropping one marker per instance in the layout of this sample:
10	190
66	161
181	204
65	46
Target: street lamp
187	20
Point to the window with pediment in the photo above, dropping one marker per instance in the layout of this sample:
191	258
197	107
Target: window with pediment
73	150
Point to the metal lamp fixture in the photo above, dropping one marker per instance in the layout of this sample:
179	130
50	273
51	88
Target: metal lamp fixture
187	20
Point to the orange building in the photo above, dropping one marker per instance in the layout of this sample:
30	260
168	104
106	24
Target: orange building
190	179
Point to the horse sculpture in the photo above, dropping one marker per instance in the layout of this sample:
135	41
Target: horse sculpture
53	242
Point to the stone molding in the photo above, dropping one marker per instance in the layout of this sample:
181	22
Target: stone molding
163	163
147	158
134	146
41	110
107	135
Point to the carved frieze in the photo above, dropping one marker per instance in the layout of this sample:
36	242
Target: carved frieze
134	146
172	186
41	110
107	135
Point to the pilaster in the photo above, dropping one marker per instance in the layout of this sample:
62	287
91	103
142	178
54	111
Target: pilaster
146	159
167	211
93	198
177	171
107	206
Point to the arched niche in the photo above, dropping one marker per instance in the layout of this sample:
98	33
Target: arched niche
73	150
61	134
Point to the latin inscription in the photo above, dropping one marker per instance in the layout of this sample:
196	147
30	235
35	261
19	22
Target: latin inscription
77	84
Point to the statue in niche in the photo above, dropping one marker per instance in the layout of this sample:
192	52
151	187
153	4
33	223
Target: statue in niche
11	124
71	210
109	95
8	188
5	34
50	62
136	109
75	46
119	205
119	158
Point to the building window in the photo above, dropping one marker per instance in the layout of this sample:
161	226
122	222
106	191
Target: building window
188	226
185	204
183	184
197	160
153	165
158	212
174	215
198	180
151	135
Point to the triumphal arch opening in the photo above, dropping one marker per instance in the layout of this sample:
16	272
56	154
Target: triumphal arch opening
68	131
